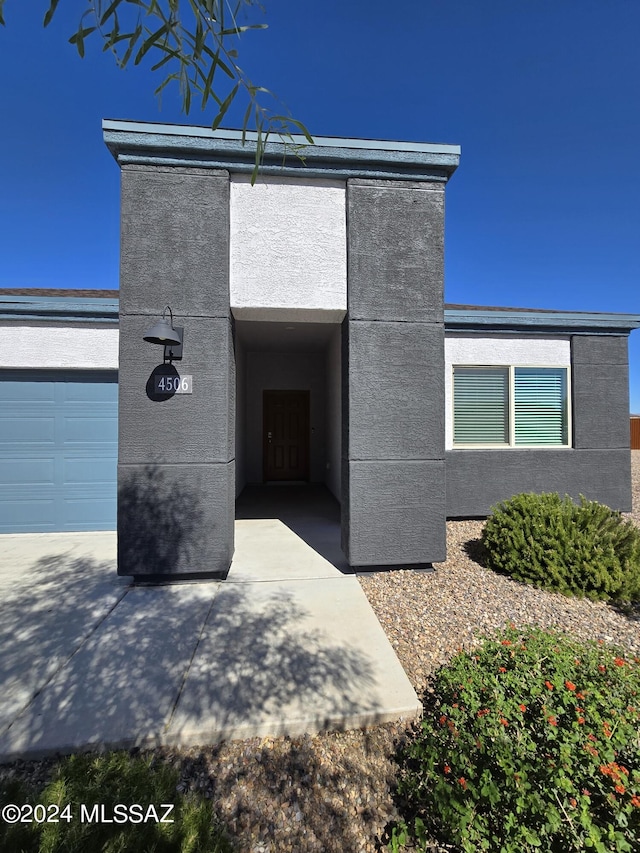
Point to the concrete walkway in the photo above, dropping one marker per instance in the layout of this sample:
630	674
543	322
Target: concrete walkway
287	644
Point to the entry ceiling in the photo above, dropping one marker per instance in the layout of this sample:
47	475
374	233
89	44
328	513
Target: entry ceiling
284	337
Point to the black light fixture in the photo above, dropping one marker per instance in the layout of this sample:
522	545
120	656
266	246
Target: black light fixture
165	334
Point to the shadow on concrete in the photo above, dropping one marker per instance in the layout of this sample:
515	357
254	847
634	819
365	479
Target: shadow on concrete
207	657
45	616
309	510
262	664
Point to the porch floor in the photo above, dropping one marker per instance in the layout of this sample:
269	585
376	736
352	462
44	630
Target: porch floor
309	510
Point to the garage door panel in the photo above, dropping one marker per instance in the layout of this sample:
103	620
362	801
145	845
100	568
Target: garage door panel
58	450
85	431
87	472
25	515
26	472
102	393
28	430
30	393
83	514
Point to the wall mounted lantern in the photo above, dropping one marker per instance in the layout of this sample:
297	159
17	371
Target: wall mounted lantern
165	334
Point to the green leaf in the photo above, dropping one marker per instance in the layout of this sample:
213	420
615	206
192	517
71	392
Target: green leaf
215	56
225	106
170	54
132	43
166	82
110	11
245	122
150	42
209	8
79	37
236	31
186	98
302	128
198	40
50	13
116	38
208	83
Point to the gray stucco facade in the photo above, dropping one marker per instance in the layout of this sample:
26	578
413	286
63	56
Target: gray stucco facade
176	457
393	399
597	463
364	341
176	468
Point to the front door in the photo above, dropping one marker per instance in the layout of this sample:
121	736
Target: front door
286	435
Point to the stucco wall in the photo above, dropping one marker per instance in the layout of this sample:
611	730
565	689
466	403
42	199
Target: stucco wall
601	391
92	347
393	478
596	466
287	249
176	456
498	350
478	479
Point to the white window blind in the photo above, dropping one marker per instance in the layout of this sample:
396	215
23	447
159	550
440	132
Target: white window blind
540	405
481	405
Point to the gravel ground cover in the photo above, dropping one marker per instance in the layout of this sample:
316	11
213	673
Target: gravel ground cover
333	792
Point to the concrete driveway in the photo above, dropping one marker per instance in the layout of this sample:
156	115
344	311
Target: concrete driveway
287	644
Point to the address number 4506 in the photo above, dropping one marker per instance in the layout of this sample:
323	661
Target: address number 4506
173	384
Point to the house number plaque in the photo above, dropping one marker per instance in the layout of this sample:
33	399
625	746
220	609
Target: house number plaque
174	384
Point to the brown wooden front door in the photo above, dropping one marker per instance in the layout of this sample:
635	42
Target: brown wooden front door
285	435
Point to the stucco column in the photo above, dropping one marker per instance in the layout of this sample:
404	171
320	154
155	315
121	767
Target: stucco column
393	509
176	455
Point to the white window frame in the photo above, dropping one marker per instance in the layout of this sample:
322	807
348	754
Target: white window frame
511	445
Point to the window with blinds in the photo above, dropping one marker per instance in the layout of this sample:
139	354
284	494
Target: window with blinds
481	405
510	406
540	403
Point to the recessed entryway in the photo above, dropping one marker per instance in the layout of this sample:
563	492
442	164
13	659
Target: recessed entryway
288	403
288	431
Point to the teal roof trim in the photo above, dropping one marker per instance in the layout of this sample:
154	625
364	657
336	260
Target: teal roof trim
329	157
469	320
47	308
533	322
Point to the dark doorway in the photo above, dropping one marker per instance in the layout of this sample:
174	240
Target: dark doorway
285	435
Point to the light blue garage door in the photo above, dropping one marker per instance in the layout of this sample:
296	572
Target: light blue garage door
58	450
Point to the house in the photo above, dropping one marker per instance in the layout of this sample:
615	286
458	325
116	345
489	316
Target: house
316	346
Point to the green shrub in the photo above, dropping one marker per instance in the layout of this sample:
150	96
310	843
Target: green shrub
530	743
105	781
552	543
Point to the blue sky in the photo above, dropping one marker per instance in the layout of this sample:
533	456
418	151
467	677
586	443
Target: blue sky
542	95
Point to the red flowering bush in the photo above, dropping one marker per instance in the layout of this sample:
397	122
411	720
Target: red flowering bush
532	742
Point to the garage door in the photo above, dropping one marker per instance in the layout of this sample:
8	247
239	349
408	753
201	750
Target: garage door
58	450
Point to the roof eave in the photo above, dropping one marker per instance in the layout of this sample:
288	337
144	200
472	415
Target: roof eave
48	308
175	145
531	322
